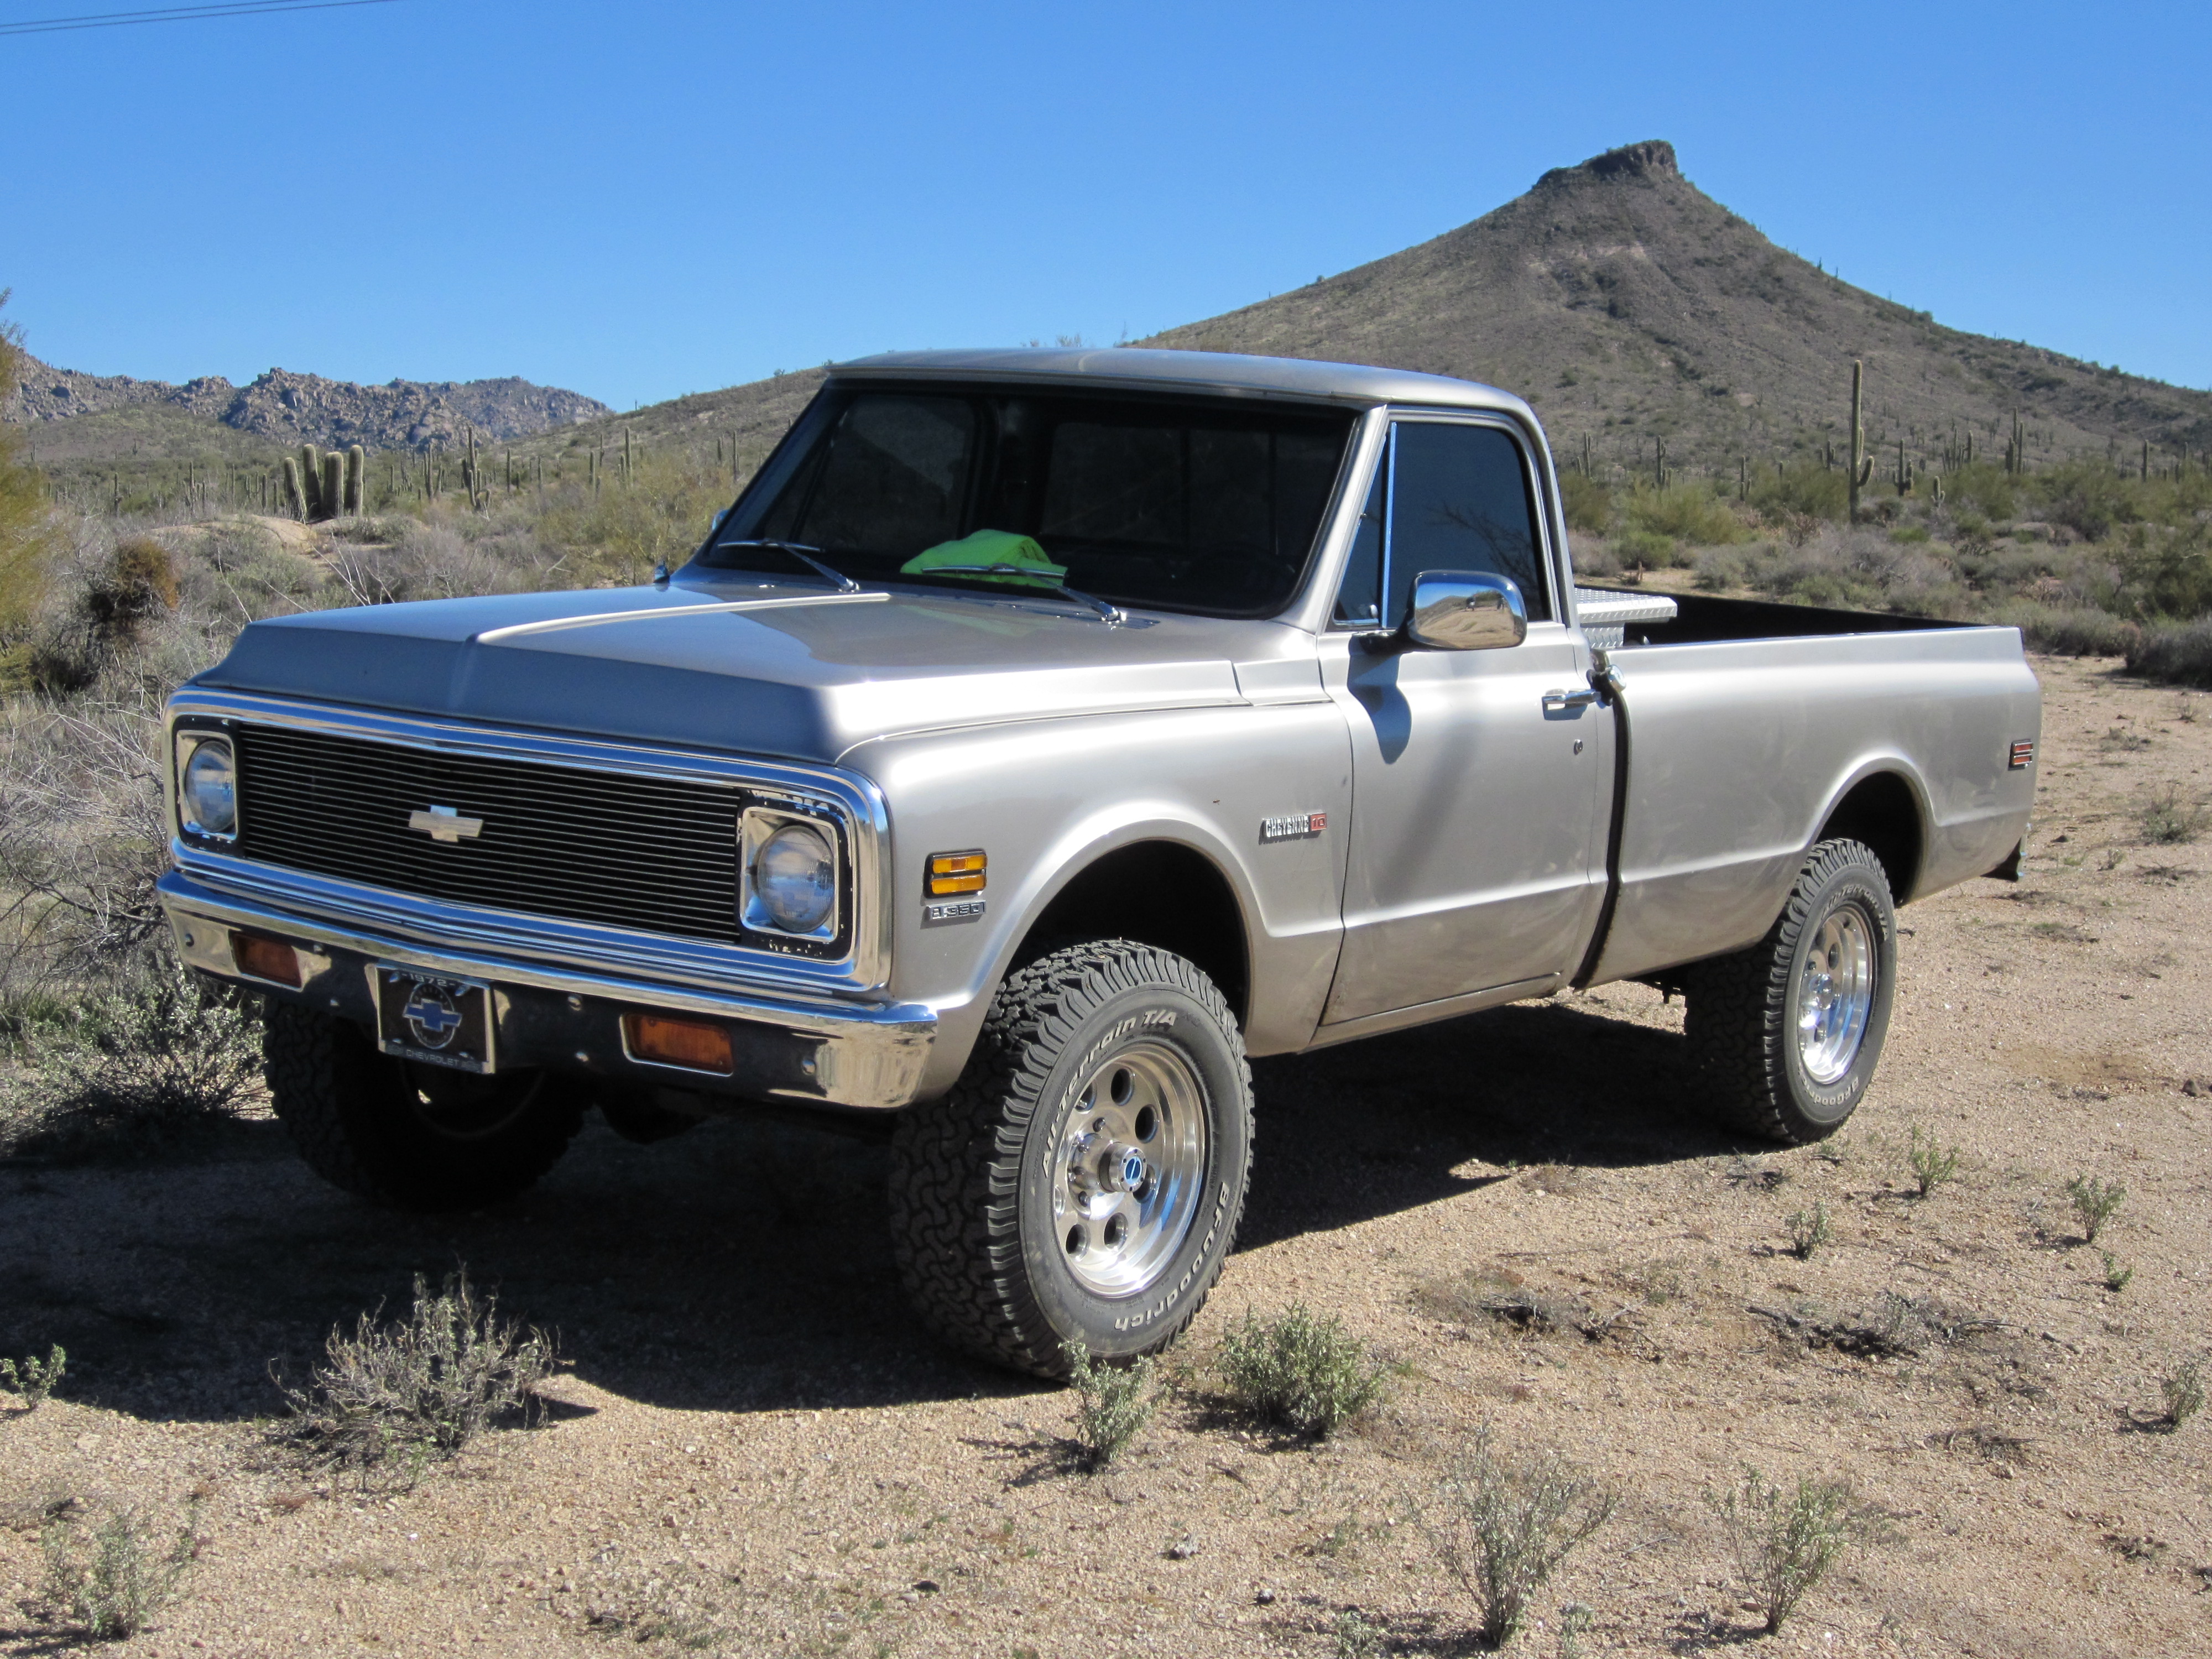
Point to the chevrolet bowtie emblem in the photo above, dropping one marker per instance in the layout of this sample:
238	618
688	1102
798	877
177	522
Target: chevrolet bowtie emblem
444	823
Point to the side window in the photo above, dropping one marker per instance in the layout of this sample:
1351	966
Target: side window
1459	501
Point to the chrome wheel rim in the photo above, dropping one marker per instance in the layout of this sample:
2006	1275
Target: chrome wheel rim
1835	995
1128	1169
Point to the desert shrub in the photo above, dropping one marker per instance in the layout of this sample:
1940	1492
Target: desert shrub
1982	489
1113	1403
1646	548
1931	1164
1300	1370
2183	1391
1803	490
2095	1203
2086	496
1502	1521
115	1575
1588	503
33	1381
392	1397
23	512
1911	534
1785	1540
2070	630
1685	512
1808	1231
2171	574
2180	655
2117	1273
1352	1637
1597	559
2169	817
82	840
141	1065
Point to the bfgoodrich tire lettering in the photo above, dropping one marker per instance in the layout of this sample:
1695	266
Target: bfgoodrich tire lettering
401	1135
1784	1036
1109	1085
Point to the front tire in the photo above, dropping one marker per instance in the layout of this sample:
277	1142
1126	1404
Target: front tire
410	1137
1785	1036
1082	1180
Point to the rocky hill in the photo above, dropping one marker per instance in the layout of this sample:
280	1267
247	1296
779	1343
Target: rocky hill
285	407
1630	306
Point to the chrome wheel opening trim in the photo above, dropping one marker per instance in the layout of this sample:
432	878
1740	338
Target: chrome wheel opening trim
1835	994
1128	1170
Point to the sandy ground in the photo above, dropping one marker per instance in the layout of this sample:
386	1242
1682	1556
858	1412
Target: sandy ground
758	1449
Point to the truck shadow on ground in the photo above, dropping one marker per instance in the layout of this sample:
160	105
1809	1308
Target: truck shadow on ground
745	1266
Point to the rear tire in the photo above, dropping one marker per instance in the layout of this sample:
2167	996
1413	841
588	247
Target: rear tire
1785	1036
411	1136
1082	1180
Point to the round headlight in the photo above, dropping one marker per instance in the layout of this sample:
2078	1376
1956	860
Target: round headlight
795	878
211	789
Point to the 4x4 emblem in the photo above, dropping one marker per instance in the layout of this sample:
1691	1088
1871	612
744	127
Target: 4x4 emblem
444	823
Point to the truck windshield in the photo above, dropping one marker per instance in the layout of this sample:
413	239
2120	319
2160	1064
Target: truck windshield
1208	505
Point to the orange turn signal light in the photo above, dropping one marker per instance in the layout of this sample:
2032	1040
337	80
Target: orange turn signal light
266	958
695	1044
956	873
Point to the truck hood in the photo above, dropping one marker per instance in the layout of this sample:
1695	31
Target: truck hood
761	668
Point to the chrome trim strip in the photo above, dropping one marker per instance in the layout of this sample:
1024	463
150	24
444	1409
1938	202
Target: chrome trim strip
872	1055
858	804
517	631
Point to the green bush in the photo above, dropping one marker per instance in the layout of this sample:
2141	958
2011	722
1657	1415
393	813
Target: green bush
1648	548
2069	630
1785	1541
1803	490
1588	503
1114	1403
1505	1519
1687	512
113	1578
1982	489
1300	1370
2087	497
34	1381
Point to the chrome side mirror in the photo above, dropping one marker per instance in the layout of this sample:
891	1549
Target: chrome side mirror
1465	611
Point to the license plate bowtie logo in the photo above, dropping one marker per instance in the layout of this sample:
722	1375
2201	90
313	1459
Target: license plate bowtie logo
446	825
431	1016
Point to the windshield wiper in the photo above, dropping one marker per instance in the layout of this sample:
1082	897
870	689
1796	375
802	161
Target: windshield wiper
1112	614
801	551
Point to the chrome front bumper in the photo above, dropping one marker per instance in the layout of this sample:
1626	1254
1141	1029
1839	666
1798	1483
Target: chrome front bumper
843	1053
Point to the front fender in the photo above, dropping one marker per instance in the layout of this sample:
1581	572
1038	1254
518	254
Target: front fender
1045	800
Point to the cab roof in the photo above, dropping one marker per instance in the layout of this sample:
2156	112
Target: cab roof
1218	372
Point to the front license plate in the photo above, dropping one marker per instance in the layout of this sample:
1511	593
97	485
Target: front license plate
440	1022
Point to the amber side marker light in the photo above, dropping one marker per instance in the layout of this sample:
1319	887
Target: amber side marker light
693	1044
956	873
264	957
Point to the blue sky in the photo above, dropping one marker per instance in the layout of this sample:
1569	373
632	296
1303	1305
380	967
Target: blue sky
646	198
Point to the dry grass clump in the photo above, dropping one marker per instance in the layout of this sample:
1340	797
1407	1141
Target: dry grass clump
394	1397
1502	1521
1785	1539
2183	1390
1931	1164
112	1577
33	1381
1114	1403
2094	1202
1300	1370
1808	1231
2169	818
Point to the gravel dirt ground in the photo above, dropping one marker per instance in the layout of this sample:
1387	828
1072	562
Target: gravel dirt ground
757	1450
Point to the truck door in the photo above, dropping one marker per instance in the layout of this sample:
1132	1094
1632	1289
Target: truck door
1474	780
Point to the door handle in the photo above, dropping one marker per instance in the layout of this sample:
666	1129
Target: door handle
1581	699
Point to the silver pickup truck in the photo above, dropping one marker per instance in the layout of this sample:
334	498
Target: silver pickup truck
1039	735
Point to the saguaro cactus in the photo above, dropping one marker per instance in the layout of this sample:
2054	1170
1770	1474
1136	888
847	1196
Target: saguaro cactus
1862	463
295	501
357	480
333	490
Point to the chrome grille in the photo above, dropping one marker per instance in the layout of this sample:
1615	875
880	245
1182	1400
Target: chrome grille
658	854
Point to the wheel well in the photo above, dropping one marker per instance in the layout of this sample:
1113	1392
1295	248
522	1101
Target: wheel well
1157	893
1882	812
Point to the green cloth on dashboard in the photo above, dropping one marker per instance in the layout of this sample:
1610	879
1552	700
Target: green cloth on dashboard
991	547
